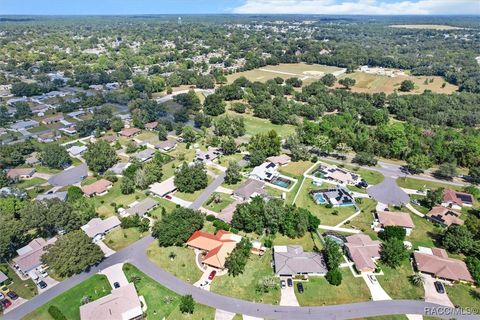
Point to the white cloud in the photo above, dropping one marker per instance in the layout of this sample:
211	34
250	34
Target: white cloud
360	7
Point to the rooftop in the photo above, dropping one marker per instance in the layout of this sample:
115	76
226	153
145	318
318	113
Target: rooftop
97	187
437	262
98	226
401	219
291	260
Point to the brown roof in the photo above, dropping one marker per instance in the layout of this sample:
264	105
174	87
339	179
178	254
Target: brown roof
362	251
249	188
109	138
99	186
445	216
401	219
219	246
151	125
17	172
129	132
459	198
279	160
439	265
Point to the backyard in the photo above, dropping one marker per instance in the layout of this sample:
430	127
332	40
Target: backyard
295	169
218	201
319	292
254	125
309	241
396	282
68	302
120	238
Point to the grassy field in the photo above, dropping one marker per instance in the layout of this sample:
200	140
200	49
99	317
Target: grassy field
163	203
417	184
464	296
328	216
45	169
254	125
201	312
308	242
181	154
243	286
25	289
225	200
68	302
182	267
364	220
374	83
424	233
24	184
295	169
396	282
119	238
319	292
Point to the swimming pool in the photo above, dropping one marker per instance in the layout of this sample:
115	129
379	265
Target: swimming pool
284	183
319	198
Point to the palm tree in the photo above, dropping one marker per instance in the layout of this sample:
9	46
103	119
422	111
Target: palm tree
417	279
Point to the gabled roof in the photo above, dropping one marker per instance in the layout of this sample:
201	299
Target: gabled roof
459	198
250	188
142	207
151	125
17	172
445	216
97	187
98	226
29	256
363	250
279	160
128	132
401	219
441	266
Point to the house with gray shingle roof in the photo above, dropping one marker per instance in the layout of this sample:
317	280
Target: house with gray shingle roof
292	260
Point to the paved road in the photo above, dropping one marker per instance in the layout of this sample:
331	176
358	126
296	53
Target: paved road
388	192
135	254
208	191
69	177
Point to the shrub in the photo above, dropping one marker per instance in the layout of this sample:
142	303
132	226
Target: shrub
221	225
334	277
187	304
210	217
56	313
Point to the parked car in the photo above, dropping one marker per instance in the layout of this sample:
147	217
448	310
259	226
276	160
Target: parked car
43	274
282	284
2	296
6	303
289	282
42	284
116	285
439	287
300	287
168	197
4	289
212	275
12	295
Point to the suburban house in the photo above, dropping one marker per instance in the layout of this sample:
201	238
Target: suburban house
24	125
69	131
456	200
363	251
32	159
280	160
151	125
163	188
20	173
267	171
336	174
53	119
129	132
144	155
140	208
97	188
61	195
337	197
207	156
77	150
49	137
292	260
444	216
393	219
167	145
110	138
435	261
249	189
122	303
29	256
216	247
97	228
119	167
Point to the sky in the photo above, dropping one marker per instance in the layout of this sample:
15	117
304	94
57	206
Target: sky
368	7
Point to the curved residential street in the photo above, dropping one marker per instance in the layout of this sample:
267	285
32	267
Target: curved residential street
136	255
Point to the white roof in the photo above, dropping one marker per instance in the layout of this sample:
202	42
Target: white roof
76	150
163	188
98	226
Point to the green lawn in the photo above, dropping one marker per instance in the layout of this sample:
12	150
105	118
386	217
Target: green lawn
396	282
319	292
234	186
327	215
244	286
88	180
224	160
224	201
201	312
254	125
371	176
182	267
24	288
192	196
308	241
39	128
416	184
364	220
424	233
119	238
181	154
464	296
24	184
45	169
162	203
68	302
295	169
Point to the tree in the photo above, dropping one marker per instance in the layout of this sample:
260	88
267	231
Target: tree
447	170
407	85
55	156
228	146
313	222
127	186
175	228
72	253
294	82
395	232
473	264
393	252
418	163
190	178
298	150
474	174
4	180
117	124
22	111
457	239
239	107
214	105
334	277
162	132
365	159
328	80
417	279
262	146
237	260
433	197
332	254
100	156
187	304
232	174
188	134
229	126
347	82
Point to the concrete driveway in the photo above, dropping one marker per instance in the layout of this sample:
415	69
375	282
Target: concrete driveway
431	294
223	315
70	176
115	274
388	192
288	297
375	288
50	283
105	249
203	282
15	304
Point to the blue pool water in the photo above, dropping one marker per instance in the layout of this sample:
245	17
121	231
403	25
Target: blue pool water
281	183
319	198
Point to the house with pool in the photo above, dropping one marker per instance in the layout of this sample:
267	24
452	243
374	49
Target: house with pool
337	197
268	172
337	175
